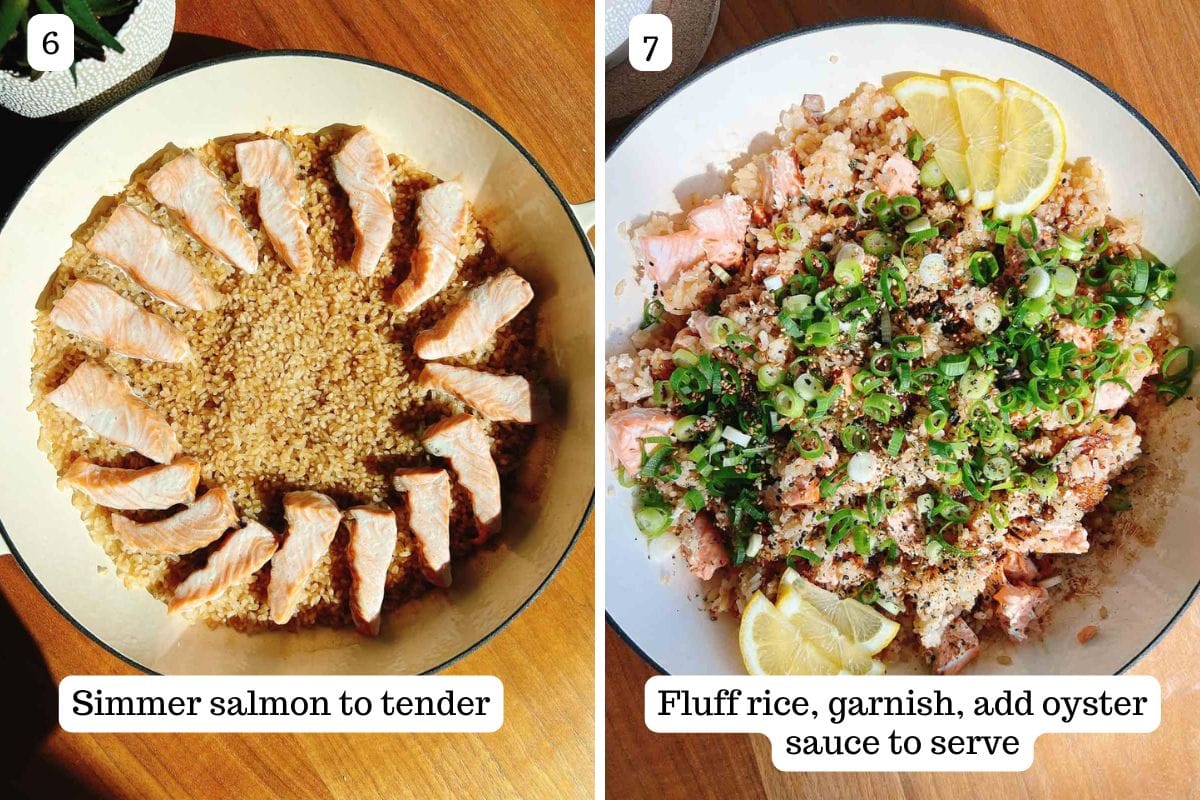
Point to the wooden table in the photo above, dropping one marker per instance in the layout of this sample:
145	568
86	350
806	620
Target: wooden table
1141	50
531	71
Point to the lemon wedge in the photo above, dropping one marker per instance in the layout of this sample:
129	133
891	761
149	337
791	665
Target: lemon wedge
930	104
1033	144
861	626
772	645
819	631
978	101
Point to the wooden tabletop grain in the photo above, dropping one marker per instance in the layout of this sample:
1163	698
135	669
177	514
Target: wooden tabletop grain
1143	51
530	68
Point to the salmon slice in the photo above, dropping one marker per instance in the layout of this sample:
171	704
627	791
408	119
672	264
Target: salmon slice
501	398
667	255
781	181
362	170
129	489
244	553
372	543
958	648
625	431
716	231
103	401
132	241
1019	605
722	224
312	520
201	523
94	311
428	498
187	187
476	318
462	441
441	225
703	548
266	165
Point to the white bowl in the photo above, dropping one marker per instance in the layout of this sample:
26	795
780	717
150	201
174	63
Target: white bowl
532	226
676	155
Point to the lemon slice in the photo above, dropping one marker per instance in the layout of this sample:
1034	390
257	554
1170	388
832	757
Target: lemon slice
1033	143
816	628
931	106
861	625
979	101
772	645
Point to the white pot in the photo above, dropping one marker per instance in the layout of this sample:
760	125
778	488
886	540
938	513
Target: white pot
145	36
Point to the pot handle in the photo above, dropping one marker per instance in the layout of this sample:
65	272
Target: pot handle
585	215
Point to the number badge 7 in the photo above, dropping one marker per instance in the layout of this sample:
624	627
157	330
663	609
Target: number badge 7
650	42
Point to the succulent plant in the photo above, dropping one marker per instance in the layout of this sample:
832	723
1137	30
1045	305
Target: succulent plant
96	22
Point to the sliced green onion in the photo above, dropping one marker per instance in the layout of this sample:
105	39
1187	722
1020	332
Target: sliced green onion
685	428
855	438
810	445
908	347
769	376
879	244
788	403
931	175
915	147
721	328
1065	281
975	384
988	317
623	478
917	225
895	443
787	234
694	499
997	468
685	358
1027	231
881	407
864	382
808	386
983	267
661	393
807	555
652	311
953	365
907	206
936	421
651	520
848	273
1044	482
1035	282
816	263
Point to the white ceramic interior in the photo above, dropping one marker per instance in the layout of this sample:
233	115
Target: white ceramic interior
678	154
532	226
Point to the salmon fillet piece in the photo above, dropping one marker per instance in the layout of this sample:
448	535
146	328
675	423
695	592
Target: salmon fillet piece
500	398
427	492
370	549
267	165
312	521
241	555
462	441
94	311
361	168
441	225
106	405
156	487
130	240
625	430
958	648
703	548
187	187
201	523
476	318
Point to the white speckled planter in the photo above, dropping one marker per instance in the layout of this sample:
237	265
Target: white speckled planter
145	36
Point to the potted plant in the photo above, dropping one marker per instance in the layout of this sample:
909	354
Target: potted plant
118	45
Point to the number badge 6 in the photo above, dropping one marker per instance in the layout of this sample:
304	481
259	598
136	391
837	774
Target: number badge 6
51	42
